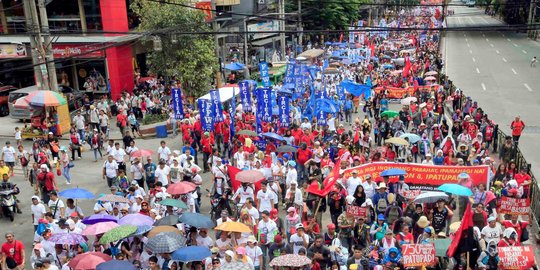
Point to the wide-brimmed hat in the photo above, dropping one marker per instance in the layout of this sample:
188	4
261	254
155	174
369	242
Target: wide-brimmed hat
422	222
382	185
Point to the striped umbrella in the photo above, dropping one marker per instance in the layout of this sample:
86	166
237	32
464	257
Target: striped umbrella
165	242
45	98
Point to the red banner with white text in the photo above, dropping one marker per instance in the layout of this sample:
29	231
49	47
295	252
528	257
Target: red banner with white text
521	257
514	206
416	255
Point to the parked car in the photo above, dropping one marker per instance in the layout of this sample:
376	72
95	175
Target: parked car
5	90
74	98
471	3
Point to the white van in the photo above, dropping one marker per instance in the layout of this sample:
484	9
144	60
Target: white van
19	113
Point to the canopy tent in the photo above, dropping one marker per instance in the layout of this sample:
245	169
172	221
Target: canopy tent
313	53
225	93
235	66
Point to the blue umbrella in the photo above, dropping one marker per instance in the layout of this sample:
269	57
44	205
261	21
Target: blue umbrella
413	138
393	172
197	220
142	229
456	189
97	218
387	66
328	43
235	66
115	265
76	193
273	135
191	254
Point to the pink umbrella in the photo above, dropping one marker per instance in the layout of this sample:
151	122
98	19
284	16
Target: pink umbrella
99	228
250	176
88	260
142	153
136	220
181	188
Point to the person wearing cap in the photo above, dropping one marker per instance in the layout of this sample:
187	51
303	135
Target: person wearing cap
254	252
493	231
370	187
46	181
292	174
38	211
103	207
299	239
353	182
379	228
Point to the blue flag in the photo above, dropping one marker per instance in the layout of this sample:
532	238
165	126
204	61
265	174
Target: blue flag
265	104
217	111
265	75
207	120
321	118
245	95
340	92
178	107
259	127
284	108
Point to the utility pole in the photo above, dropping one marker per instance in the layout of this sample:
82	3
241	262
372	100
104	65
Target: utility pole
32	28
532	9
38	48
300	26
215	29
48	45
282	27
245	42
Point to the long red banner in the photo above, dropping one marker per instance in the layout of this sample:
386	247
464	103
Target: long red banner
521	257
400	92
514	206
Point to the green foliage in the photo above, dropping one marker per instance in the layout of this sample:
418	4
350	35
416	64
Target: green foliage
190	57
154	118
333	15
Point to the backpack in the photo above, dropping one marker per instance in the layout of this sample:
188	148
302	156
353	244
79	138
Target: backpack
393	214
382	204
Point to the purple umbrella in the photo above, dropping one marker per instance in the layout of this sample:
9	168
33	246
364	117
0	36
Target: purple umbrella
67	238
97	218
136	220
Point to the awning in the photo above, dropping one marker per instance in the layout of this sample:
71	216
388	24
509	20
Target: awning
264	41
311	53
16	39
225	93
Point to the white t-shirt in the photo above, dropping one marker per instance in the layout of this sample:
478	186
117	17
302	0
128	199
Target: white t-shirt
204	242
369	189
161	174
164	153
254	253
331	124
110	168
240	159
297	242
118	154
9	153
492	234
136	170
77	209
253	212
269	229
99	207
38	211
352	183
266	200
244	194
54	206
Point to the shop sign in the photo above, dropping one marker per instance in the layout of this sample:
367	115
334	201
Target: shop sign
12	51
78	51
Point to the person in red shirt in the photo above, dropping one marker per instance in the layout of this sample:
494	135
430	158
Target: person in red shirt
186	127
516	224
121	121
218	135
523	179
207	143
302	156
517	127
297	134
13	254
197	132
311	226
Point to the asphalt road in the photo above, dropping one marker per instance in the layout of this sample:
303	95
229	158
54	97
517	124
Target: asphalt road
493	67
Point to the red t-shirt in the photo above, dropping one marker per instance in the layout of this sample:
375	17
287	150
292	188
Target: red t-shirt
13	250
518	227
517	127
304	155
520	178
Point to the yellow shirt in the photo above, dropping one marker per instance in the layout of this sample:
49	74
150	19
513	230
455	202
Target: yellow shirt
4	170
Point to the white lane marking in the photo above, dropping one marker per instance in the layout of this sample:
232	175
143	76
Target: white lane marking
509	39
483	87
477	71
515	45
459	22
484	19
470	19
466	39
513	70
487	39
497	51
504	59
470	51
474	60
468	45
484	35
528	87
524	51
491	44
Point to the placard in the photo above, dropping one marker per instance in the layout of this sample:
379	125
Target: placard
357	211
521	257
411	194
415	255
514	206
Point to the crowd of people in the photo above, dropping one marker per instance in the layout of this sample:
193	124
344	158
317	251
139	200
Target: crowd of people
281	212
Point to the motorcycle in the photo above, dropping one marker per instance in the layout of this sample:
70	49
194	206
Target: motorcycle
7	201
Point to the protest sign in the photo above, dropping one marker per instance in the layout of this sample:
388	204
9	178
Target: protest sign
357	211
514	206
520	257
415	255
411	194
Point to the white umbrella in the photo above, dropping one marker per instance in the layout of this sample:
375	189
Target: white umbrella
431	197
407	100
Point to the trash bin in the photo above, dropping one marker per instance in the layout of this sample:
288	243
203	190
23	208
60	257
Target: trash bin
161	131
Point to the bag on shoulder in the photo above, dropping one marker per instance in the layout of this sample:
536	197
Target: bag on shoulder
24	161
524	234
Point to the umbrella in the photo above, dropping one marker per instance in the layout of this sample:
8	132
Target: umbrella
331	71
67	238
247	132
387	66
250	176
142	153
88	260
423	104
273	135
171	220
235	66
441	246
431	197
233	226
235	266
44	98
393	172
430	78
181	188
136	220
191	254
286	149
113	198
431	73
174	203
389	114
165	242
21	103
76	193
413	138
115	265
99	228
197	220
142	229
407	100
290	260
456	189
397	141
162	229
97	218
117	233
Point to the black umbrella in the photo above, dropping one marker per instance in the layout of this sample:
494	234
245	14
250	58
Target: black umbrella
167	221
286	149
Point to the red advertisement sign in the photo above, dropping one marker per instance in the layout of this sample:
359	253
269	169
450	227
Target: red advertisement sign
415	255
357	211
514	206
521	257
423	177
206	8
411	194
78	50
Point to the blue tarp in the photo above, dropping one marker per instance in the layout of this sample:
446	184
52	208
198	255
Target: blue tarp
235	66
356	89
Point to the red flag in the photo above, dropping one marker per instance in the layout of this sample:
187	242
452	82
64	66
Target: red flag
233	171
372	48
341	37
356	137
463	235
415	83
407	67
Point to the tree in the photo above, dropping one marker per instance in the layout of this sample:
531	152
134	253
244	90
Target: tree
189	57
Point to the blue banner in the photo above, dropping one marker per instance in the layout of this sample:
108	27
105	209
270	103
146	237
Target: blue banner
217	111
259	127
299	84
297	70
340	92
207	120
273	97
178	107
284	108
321	118
232	109
265	75
265	104
289	72
260	143
245	95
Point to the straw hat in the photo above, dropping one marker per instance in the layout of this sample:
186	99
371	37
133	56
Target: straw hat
391	198
422	222
382	185
455	226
